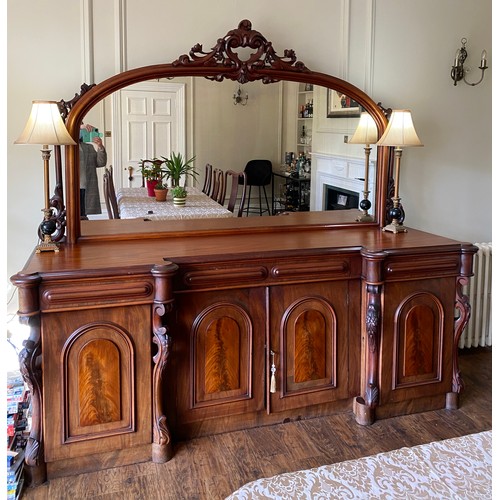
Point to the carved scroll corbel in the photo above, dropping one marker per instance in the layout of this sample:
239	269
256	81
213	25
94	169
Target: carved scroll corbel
366	403
373	340
462	305
162	305
364	407
30	365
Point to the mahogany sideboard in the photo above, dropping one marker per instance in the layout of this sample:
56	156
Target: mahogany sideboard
136	343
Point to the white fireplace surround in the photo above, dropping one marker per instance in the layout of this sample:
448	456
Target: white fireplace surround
339	171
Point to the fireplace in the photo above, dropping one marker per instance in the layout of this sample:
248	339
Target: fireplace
337	198
337	182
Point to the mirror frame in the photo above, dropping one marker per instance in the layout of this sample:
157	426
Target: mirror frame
222	62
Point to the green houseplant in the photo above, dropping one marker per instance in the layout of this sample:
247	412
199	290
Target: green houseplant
177	166
179	195
152	173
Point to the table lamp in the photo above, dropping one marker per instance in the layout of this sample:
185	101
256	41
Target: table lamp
400	133
45	127
366	133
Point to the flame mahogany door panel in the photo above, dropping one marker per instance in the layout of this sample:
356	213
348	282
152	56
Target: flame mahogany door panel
417	339
97	381
218	354
310	337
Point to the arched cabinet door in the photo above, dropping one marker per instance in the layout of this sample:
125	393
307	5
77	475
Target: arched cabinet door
417	341
97	381
218	354
310	341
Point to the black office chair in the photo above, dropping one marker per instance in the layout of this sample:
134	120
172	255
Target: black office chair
259	173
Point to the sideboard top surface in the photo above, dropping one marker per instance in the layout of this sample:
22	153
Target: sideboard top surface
109	254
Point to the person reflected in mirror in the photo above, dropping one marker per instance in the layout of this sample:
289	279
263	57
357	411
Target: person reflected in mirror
92	156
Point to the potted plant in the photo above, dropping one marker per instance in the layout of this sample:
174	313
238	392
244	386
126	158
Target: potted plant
179	194
160	191
152	173
177	166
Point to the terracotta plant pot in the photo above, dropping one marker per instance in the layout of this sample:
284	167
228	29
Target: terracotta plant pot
161	194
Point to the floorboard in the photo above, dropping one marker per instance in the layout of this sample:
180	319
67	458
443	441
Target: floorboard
213	467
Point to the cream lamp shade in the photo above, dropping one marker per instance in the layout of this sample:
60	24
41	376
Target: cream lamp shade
45	126
400	131
366	132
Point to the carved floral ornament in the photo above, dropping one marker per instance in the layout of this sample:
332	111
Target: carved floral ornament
243	71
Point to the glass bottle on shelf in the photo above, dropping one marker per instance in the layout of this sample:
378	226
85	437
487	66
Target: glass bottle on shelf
303	135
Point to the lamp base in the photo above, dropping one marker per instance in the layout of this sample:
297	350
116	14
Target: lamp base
364	218
395	227
47	245
365	205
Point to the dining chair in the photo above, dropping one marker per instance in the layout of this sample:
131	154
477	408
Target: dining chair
238	179
208	179
110	194
258	173
217	189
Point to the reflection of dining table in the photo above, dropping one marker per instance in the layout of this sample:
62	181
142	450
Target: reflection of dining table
134	203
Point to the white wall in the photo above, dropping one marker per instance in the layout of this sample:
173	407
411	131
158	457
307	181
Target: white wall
399	51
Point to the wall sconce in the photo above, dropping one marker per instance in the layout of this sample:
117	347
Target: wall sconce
239	98
366	133
45	126
399	133
458	71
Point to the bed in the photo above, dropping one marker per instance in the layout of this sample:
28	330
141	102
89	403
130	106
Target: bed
452	468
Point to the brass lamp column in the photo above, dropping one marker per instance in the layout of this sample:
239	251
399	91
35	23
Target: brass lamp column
45	127
400	133
366	133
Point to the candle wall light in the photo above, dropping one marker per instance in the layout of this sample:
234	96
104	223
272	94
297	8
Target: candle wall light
458	70
240	98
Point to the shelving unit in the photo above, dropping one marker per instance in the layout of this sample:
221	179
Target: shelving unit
292	184
294	193
18	425
305	113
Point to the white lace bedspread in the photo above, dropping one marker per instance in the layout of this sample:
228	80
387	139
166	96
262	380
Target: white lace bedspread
458	468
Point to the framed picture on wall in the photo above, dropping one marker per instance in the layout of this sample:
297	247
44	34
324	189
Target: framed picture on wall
341	106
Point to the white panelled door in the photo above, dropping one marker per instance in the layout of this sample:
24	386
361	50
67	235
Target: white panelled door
152	124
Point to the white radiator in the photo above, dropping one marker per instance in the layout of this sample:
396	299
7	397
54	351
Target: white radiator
478	331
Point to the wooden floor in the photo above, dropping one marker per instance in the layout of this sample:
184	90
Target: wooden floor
213	467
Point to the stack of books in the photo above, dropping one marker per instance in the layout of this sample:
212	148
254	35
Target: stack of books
18	426
15	479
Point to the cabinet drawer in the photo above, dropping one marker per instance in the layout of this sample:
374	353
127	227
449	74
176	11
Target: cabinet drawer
94	293
421	266
268	272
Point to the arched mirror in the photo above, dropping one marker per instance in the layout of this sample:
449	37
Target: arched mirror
218	129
